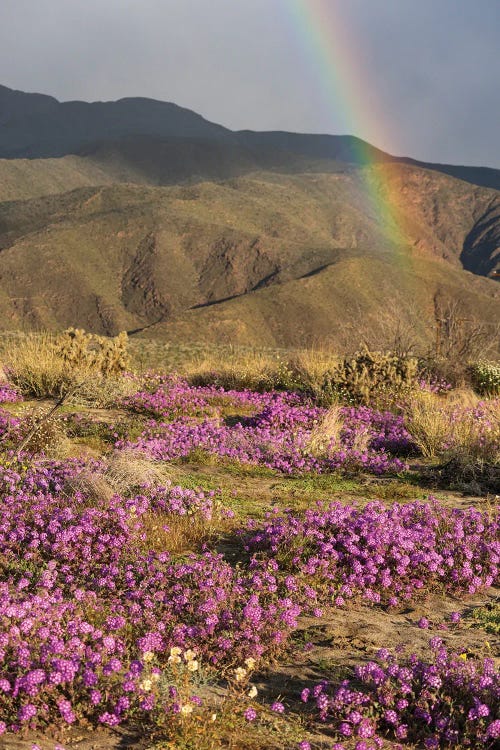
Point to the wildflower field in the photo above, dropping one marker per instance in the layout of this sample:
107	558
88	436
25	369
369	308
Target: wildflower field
196	566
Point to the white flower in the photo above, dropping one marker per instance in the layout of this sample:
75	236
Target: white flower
240	674
189	655
250	662
173	659
146	685
186	709
252	692
192	665
148	656
175	651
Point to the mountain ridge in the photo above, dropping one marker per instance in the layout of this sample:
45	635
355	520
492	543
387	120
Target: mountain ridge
73	127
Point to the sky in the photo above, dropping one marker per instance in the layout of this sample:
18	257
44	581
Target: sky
415	77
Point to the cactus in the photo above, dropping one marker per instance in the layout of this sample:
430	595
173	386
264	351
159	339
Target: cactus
81	350
368	377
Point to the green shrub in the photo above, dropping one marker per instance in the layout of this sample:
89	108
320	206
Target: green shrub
488	617
485	378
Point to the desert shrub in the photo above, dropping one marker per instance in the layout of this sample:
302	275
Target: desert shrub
39	434
374	378
487	617
485	378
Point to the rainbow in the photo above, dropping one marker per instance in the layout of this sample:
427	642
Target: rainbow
342	78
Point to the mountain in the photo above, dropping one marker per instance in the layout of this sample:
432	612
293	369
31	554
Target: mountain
143	216
38	126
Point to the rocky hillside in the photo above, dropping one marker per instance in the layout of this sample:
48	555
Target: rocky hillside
275	259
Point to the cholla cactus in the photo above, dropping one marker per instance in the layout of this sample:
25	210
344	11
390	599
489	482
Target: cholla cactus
81	350
371	375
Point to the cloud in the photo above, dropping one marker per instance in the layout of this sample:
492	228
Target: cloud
432	67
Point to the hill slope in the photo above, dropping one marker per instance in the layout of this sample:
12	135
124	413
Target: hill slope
271	259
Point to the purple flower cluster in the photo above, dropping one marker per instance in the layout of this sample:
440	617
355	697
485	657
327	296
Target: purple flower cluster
170	397
441	703
80	603
9	426
9	394
275	435
434	384
87	607
385	555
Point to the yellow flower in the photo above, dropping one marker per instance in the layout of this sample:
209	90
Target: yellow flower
148	656
175	651
174	659
192	665
250	662
240	674
189	655
463	656
146	685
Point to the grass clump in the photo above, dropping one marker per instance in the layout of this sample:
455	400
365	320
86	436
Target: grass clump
488	617
444	427
34	365
301	371
327	432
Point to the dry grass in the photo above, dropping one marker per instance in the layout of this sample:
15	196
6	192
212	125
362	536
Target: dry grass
35	367
327	432
450	427
236	370
175	534
301	370
428	422
126	470
36	364
103	392
122	473
92	485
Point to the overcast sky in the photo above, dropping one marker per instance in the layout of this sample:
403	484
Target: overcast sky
432	67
